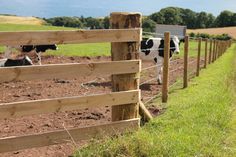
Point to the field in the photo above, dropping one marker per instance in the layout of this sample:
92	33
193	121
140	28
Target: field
20	20
101	49
213	31
80	53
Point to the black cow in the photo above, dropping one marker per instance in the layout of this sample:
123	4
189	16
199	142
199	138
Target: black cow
152	49
38	49
16	62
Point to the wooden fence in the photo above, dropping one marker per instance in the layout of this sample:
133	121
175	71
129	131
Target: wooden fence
212	52
125	37
124	68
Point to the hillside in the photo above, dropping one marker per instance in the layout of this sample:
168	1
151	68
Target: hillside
20	20
228	30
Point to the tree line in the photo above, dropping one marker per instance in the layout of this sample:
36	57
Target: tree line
169	15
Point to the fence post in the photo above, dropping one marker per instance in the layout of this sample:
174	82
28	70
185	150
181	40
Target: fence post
214	51
166	67
186	48
125	51
217	49
206	49
199	56
210	52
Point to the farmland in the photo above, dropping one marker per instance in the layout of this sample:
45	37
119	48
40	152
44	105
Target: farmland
20	20
216	31
180	110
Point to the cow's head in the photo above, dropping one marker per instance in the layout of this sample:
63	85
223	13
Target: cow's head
27	61
52	47
174	45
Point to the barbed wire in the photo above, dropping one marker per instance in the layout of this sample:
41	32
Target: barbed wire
150	67
180	36
151	33
152	98
145	82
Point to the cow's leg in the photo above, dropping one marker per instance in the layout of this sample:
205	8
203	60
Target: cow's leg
7	52
159	73
159	63
39	58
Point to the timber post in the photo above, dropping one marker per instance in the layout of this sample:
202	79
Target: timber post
206	49
125	51
165	84
186	48
199	56
210	52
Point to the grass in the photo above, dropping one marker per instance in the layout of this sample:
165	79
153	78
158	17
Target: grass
199	121
96	49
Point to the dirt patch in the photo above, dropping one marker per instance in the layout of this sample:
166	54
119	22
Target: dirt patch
56	87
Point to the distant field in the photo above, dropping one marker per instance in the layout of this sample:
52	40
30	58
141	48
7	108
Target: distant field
228	30
97	49
20	20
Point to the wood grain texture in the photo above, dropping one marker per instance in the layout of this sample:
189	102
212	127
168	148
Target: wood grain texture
38	72
69	37
24	108
51	138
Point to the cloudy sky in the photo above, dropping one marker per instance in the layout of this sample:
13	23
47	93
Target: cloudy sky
98	8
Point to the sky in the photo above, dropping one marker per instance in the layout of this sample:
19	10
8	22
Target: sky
101	8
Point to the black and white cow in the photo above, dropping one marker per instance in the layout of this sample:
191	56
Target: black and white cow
15	62
38	49
152	49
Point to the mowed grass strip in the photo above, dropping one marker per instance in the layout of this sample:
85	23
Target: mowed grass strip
199	121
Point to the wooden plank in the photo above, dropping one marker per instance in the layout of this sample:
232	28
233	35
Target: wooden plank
165	85
206	49
186	49
69	37
51	138
210	52
16	109
125	51
68	70
199	56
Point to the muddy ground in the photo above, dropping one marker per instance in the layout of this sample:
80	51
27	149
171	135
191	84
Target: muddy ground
56	87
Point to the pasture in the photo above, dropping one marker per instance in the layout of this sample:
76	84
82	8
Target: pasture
86	85
100	49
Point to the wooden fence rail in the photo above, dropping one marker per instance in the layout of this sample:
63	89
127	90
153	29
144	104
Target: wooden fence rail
125	69
23	108
62	136
70	37
68	70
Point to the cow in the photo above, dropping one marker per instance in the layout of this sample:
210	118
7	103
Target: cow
152	49
15	62
38	49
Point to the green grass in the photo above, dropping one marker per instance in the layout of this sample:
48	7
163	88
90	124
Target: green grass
96	49
199	121
21	27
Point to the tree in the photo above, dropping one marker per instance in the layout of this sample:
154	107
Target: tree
188	18
106	22
148	25
225	19
201	20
